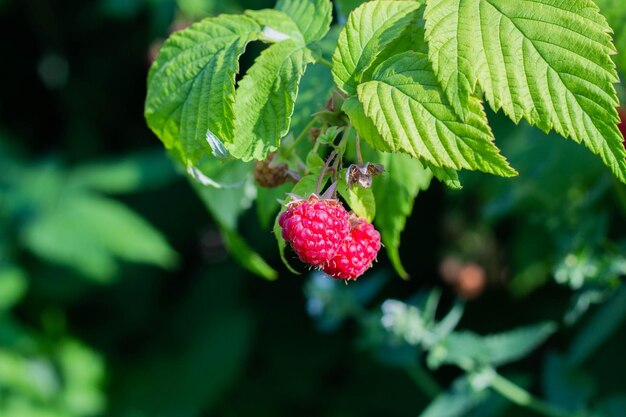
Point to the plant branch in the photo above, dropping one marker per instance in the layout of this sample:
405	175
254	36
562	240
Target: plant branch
325	62
424	380
330	158
357	144
301	136
520	396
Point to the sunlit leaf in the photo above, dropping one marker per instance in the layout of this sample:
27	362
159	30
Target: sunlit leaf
546	61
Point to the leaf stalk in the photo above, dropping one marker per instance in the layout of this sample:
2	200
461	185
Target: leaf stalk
521	397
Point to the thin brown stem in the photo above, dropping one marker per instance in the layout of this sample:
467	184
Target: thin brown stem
357	144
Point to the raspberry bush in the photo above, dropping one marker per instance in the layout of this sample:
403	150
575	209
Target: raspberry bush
363	105
431	190
404	86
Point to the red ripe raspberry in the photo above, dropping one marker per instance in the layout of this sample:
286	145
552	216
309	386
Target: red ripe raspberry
315	228
356	253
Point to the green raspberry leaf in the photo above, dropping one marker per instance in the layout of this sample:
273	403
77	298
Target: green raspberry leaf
265	99
448	176
547	61
412	115
246	256
394	192
366	130
615	13
458	401
13	285
369	29
267	203
412	38
191	85
313	17
277	26
227	191
360	200
462	348
90	233
364	125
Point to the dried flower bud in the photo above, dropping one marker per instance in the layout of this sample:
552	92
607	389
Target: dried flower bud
268	173
314	133
363	174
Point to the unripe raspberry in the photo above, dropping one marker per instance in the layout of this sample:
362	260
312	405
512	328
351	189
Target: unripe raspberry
315	228
269	174
356	253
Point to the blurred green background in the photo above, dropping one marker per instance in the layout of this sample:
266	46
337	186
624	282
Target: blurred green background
119	298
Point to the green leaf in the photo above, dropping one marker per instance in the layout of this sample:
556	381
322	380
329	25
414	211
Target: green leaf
546	61
369	29
282	245
267	203
456	402
83	372
227	204
602	325
315	86
412	38
145	170
412	115
193	9
517	343
366	130
565	386
265	99
232	192
364	125
615	13
329	135
191	85
247	257
394	193
89	233
314	162
313	17
13	285
313	93
360	200
448	176
277	26
470	349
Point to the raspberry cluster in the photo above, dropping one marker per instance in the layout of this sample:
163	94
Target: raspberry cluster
323	234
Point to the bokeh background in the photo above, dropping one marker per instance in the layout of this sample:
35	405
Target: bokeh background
119	298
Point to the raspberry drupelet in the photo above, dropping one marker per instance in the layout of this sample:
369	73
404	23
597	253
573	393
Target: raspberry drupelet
357	252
